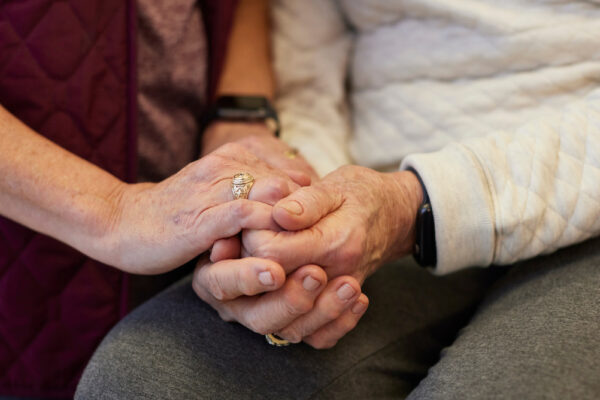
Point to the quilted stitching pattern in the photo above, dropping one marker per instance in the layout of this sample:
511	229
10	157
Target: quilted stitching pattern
545	178
438	72
63	71
428	73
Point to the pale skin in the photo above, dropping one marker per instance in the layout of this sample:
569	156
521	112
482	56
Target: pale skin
234	295
155	227
353	221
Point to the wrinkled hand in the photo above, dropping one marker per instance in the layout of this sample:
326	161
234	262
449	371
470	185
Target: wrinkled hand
303	306
259	140
158	227
349	223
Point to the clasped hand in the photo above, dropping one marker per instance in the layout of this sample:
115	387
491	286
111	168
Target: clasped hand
300	273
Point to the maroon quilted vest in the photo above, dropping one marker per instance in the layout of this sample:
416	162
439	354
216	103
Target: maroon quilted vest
67	69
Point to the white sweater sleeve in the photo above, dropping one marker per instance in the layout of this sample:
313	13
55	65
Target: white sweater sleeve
514	195
311	47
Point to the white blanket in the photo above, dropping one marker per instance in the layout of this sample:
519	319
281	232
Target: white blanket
510	88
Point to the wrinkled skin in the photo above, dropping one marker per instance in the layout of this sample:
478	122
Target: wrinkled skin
158	227
311	308
352	221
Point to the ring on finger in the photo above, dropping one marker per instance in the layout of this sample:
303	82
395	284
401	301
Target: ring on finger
275	340
241	184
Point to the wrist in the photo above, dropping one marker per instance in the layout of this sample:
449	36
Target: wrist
104	225
406	198
219	133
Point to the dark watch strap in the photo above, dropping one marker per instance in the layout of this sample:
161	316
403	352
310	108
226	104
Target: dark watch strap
424	252
242	109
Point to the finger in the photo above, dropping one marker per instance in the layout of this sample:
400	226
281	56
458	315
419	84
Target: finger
275	246
226	249
339	295
330	334
266	188
306	206
335	247
272	189
275	310
299	177
230	279
228	219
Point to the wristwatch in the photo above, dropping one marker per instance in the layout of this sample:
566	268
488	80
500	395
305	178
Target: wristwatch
243	108
424	251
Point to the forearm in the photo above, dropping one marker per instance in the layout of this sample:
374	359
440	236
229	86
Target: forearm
516	194
53	191
404	199
247	69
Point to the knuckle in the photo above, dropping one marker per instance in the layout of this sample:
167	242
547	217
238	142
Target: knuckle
241	209
296	305
198	289
245	279
262	245
292	335
331	313
349	255
276	189
208	165
320	342
258	325
352	250
213	285
225	315
347	325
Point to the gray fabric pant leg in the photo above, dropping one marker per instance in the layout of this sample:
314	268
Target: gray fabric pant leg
536	335
176	347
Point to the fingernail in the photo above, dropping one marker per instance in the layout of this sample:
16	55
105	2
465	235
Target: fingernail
265	278
293	207
310	283
359	308
346	292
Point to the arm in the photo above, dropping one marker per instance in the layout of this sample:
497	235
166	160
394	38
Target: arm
514	195
52	190
247	71
142	228
498	199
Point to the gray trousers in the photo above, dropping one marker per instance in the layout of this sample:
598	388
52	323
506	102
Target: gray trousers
531	331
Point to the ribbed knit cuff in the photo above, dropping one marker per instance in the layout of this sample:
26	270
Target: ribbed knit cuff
462	205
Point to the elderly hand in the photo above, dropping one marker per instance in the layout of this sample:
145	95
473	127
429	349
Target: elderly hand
349	223
303	306
158	227
259	140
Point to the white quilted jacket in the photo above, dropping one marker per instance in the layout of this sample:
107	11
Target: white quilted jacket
495	104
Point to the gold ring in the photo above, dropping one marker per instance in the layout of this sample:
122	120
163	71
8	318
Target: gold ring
291	153
241	185
275	340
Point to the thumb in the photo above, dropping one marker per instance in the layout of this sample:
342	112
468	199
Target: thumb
306	206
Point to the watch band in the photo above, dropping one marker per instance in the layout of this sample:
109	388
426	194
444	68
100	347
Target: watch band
424	252
242	109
